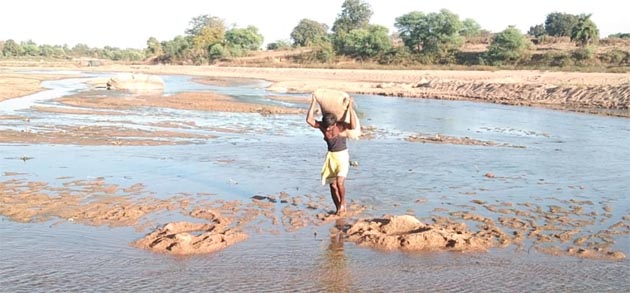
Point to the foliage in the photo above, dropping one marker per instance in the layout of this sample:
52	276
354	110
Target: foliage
12	49
616	57
396	56
560	24
309	32
244	38
366	43
537	31
153	47
30	48
320	53
324	52
52	51
279	45
197	23
175	49
508	46
585	32
213	32
620	35
355	14
216	52
82	50
470	28
583	54
436	35
117	54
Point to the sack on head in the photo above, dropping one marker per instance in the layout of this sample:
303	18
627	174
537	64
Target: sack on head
336	102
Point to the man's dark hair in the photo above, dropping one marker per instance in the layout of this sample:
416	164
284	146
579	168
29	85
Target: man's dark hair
328	119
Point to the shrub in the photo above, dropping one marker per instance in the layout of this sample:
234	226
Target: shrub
508	46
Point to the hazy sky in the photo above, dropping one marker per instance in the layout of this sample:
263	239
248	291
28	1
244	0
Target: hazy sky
129	23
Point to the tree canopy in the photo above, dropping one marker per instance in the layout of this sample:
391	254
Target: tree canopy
355	14
244	38
585	32
470	28
560	24
309	32
433	34
508	46
366	43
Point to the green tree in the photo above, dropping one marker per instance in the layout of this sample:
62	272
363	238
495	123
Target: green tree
244	38
279	45
12	49
206	34
366	43
620	35
585	32
176	49
30	48
51	51
355	14
470	28
196	24
46	50
411	29
309	32
435	34
154	48
81	50
537	31
216	52
508	46
560	24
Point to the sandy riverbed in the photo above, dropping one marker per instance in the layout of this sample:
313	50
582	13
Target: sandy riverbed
578	91
29	201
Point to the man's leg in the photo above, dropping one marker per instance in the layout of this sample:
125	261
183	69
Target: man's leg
341	191
334	193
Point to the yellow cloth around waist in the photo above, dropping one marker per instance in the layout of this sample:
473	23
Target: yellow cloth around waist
335	164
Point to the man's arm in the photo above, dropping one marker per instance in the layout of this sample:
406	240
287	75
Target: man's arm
353	122
310	116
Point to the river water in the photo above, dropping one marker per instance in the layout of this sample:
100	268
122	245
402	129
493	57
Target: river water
560	156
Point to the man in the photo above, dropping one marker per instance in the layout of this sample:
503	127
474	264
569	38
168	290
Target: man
337	160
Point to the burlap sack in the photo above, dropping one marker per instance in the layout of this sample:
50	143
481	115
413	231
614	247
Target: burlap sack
336	102
135	82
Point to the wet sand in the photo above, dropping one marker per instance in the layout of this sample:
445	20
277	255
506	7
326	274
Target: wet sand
201	101
562	230
14	84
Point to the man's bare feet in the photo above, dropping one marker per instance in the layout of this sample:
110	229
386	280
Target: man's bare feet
341	211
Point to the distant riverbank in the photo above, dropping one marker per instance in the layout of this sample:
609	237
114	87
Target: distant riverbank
600	93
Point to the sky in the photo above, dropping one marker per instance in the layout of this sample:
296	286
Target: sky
130	23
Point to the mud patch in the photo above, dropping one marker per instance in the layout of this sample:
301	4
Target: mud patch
185	238
409	234
594	253
203	101
443	139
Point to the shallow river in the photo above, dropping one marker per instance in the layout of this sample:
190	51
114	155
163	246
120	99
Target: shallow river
559	156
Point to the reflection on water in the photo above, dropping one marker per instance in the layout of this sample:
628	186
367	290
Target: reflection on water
335	274
566	156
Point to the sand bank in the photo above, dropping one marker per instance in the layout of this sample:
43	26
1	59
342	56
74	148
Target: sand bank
577	91
565	229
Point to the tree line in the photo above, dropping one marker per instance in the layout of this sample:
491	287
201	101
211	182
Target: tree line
421	38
